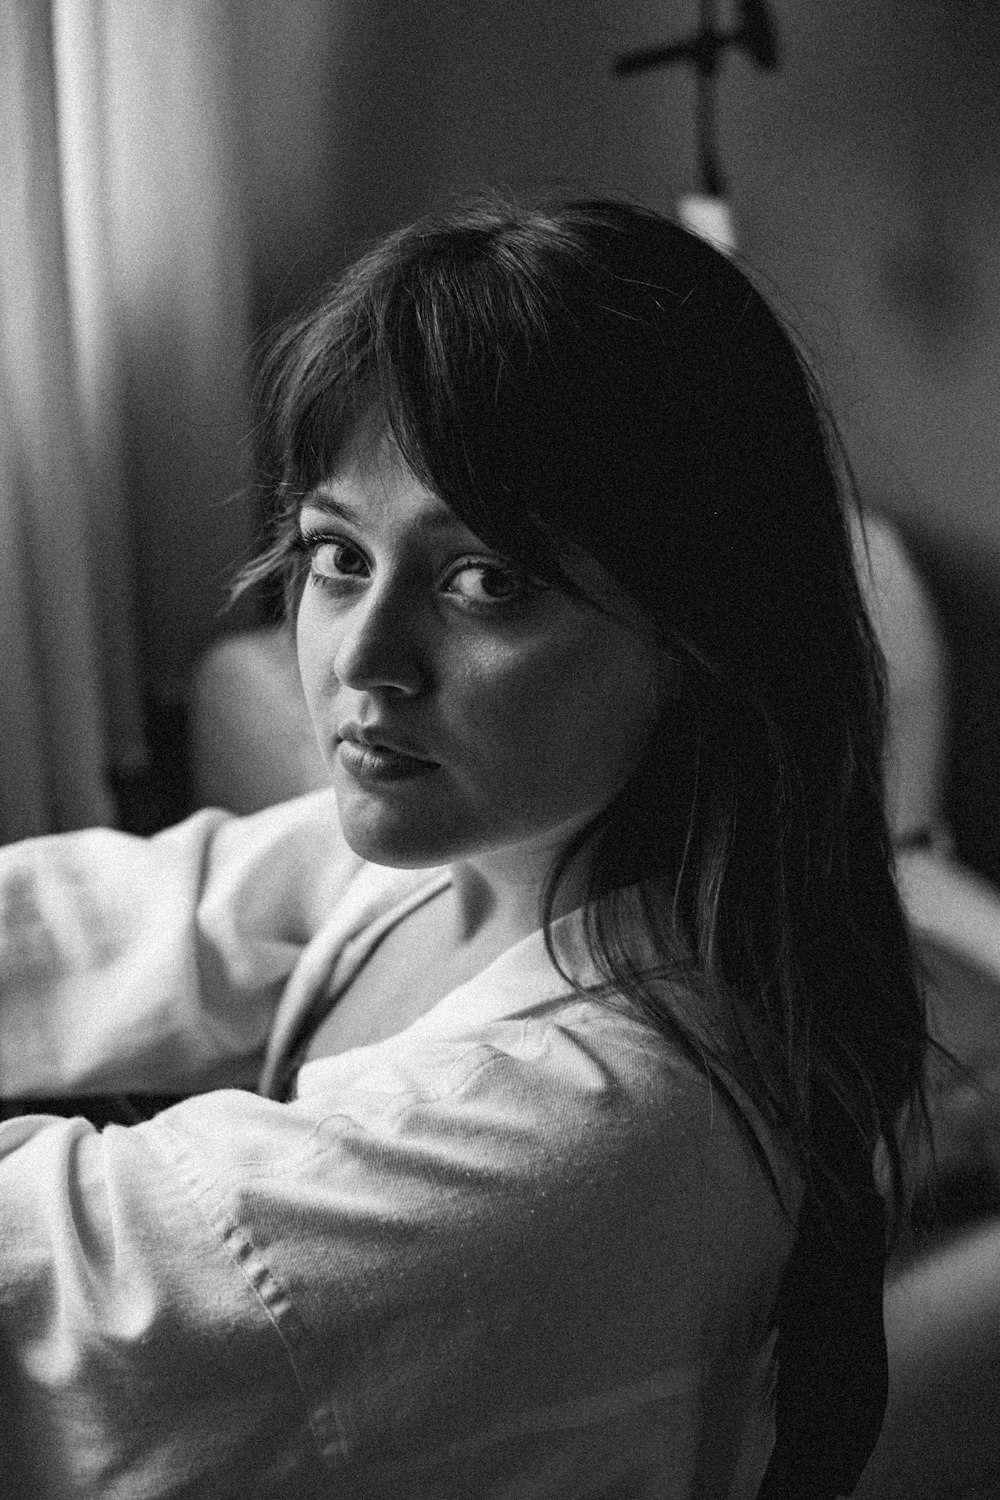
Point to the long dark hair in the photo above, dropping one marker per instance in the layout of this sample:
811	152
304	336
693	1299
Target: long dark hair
589	377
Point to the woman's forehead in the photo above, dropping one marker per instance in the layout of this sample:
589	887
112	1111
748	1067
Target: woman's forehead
372	484
367	445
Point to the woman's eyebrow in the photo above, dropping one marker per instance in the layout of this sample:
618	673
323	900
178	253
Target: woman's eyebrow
438	519
317	500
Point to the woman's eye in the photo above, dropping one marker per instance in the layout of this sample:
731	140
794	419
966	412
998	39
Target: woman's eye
332	559
484	583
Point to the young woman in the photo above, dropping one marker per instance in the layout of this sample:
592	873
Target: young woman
548	1076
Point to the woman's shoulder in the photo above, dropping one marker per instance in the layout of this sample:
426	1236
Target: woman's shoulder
568	1074
570	1112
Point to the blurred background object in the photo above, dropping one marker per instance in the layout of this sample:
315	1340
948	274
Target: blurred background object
123	310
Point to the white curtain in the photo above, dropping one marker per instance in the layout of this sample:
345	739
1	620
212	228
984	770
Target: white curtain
122	382
53	737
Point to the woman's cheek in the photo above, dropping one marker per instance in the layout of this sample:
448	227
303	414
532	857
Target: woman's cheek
528	712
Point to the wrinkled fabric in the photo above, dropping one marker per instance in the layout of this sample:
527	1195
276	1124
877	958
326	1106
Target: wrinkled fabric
520	1249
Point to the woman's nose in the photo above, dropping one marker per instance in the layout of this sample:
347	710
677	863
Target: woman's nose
379	644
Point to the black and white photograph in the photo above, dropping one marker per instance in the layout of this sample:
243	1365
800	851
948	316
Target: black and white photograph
499	750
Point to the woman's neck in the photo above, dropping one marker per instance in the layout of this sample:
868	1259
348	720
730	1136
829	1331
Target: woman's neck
498	900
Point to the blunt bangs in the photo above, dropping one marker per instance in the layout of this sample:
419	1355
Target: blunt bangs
592	380
445	336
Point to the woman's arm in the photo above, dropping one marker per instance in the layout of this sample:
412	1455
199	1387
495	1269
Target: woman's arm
155	964
138	1355
387	1287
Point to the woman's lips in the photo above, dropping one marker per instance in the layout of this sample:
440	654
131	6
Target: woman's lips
377	764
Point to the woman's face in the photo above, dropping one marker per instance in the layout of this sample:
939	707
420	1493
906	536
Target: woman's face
463	710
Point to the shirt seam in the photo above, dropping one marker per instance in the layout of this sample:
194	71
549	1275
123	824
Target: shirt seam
236	1239
267	1291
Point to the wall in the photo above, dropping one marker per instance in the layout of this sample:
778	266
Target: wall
865	176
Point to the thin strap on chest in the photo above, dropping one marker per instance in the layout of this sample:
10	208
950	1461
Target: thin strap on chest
344	965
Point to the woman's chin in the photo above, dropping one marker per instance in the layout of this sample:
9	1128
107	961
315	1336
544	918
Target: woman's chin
393	836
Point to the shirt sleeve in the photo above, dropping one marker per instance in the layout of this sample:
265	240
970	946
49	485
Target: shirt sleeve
391	1287
129	963
135	1359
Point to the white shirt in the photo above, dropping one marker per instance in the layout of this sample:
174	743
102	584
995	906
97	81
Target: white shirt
521	1249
